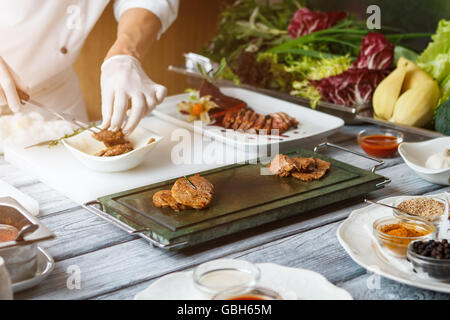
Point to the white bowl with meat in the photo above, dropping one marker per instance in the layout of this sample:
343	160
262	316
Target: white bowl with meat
119	153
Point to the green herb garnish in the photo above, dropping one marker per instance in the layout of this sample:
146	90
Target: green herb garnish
193	186
53	143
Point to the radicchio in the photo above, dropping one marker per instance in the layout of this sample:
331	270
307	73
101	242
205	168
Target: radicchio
356	85
376	53
352	87
306	21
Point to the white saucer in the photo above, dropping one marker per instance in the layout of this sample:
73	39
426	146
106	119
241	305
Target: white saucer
45	265
291	283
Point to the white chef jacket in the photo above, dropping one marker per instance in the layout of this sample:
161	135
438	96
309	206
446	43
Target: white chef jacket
41	39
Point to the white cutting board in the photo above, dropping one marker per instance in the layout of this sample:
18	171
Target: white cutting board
58	168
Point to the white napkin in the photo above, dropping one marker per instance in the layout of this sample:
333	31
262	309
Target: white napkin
291	283
31	205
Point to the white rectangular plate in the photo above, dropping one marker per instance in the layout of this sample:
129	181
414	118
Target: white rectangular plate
312	124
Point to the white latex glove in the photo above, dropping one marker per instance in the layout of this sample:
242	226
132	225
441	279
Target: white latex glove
9	83
123	79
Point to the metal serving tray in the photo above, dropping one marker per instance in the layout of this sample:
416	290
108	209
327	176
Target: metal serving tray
351	115
244	199
21	256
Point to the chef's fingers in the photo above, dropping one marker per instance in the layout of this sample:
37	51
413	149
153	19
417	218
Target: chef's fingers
138	108
107	108
150	98
119	111
18	80
9	87
160	93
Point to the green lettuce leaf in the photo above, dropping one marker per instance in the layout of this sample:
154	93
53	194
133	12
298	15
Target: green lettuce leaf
435	59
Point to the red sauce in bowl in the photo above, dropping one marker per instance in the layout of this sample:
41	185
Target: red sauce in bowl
379	145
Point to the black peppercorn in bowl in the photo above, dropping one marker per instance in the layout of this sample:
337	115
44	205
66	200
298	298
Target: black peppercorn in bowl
430	257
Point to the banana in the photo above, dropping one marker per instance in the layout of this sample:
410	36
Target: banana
415	76
415	107
388	91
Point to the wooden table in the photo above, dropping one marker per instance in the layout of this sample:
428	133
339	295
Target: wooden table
115	265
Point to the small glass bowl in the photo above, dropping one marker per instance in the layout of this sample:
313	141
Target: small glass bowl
248	293
440	223
8	233
435	268
396	245
217	275
382	149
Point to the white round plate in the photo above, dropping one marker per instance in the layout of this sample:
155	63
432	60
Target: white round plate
45	265
291	283
354	237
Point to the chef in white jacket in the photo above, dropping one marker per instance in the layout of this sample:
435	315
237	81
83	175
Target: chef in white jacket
41	39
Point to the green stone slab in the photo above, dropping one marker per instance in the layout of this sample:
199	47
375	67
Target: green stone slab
236	189
289	197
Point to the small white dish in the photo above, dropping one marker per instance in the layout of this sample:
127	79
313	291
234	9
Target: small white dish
290	283
415	155
84	147
45	265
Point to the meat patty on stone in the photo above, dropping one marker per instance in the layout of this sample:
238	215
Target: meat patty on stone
320	170
282	165
198	198
164	199
305	164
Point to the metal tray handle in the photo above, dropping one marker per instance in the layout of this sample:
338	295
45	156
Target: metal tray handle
374	168
96	208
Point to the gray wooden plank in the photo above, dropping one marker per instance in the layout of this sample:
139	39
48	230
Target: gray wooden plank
134	261
316	250
79	232
363	288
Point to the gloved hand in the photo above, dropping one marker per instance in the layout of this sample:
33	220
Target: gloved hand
9	84
123	79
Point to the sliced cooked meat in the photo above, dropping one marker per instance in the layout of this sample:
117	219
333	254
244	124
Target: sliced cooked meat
267	126
164	199
305	164
228	119
320	170
278	123
110	138
239	118
245	119
250	121
198	198
292	121
259	123
282	165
